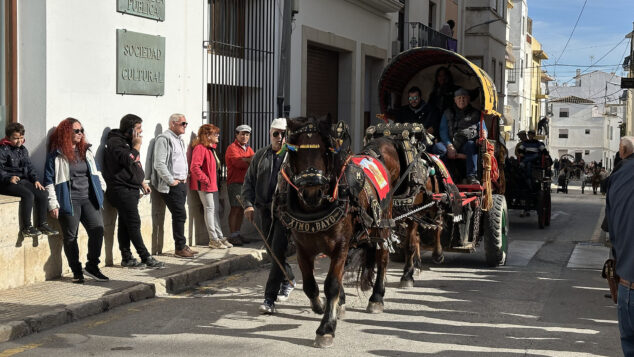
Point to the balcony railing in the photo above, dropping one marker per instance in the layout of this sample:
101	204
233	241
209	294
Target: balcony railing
416	34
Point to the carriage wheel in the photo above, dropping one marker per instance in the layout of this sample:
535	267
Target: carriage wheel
541	209
547	208
496	229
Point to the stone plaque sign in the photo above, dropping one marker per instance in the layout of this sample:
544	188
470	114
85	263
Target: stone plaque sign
140	63
151	9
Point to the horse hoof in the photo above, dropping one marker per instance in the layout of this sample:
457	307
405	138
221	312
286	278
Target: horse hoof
375	307
317	305
438	260
406	284
341	312
324	341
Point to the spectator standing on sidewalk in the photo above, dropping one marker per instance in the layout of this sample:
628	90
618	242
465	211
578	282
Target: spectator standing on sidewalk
257	192
19	179
237	158
618	211
169	173
125	178
204	180
75	194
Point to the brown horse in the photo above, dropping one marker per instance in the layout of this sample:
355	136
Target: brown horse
330	206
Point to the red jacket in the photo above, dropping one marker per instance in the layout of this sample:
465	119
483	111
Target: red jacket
203	168
236	167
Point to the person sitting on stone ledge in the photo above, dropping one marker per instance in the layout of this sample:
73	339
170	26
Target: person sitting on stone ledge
19	179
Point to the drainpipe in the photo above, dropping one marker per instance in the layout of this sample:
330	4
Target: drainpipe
283	80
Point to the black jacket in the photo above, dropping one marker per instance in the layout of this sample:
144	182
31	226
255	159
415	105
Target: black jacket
15	161
122	164
255	189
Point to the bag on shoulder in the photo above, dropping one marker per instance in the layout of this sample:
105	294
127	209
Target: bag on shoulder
609	273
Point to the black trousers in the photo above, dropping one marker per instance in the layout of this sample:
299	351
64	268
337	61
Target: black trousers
175	202
88	213
26	190
126	201
277	238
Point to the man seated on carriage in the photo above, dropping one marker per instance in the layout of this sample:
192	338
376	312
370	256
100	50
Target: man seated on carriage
459	132
415	112
530	151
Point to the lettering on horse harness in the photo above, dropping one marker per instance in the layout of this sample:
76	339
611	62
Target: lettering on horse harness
318	225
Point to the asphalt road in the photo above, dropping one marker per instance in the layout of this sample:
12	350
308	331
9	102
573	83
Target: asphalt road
548	301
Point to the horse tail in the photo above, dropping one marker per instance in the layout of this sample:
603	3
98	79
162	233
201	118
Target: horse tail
361	261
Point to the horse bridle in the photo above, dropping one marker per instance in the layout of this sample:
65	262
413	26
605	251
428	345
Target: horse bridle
312	176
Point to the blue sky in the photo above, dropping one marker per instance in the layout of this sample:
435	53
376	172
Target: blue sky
603	25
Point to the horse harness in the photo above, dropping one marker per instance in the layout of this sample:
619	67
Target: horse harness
343	199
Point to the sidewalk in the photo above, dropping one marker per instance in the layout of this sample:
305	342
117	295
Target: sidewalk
37	307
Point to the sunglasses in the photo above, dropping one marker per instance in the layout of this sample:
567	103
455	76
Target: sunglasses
413	98
278	133
77	131
184	124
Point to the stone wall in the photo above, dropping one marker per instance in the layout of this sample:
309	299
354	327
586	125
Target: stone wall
37	259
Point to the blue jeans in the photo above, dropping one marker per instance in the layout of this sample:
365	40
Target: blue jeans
626	319
470	148
439	149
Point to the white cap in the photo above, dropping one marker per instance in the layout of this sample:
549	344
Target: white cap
242	128
279	123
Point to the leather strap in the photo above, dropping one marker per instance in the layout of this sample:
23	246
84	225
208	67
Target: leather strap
626	283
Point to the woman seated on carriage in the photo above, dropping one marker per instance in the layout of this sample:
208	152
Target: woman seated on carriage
459	132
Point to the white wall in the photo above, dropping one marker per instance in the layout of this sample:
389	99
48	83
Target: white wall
68	68
345	20
580	119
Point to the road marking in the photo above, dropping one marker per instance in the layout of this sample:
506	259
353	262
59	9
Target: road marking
15	351
556	214
522	251
588	256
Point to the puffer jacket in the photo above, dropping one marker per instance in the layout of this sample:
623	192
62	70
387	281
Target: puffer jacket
15	161
57	181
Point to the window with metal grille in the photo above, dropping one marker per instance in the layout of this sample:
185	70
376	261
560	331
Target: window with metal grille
563	133
563	113
240	69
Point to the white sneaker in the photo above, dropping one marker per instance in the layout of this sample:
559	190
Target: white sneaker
285	290
216	244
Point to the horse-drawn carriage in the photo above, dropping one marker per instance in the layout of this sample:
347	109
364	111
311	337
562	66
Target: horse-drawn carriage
450	216
530	192
333	201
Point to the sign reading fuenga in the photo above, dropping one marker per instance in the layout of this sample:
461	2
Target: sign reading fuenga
140	63
151	9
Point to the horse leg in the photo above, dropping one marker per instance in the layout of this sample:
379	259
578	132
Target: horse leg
341	309
412	256
306	264
332	289
437	255
375	306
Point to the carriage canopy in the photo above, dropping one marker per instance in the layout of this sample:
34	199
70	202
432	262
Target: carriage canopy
417	67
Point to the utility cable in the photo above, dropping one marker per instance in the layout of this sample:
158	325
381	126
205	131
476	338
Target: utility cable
571	33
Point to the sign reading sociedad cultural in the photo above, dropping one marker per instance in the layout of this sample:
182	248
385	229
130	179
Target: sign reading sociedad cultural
140	63
151	9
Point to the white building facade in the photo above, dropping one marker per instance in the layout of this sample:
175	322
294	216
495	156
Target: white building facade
580	128
519	78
